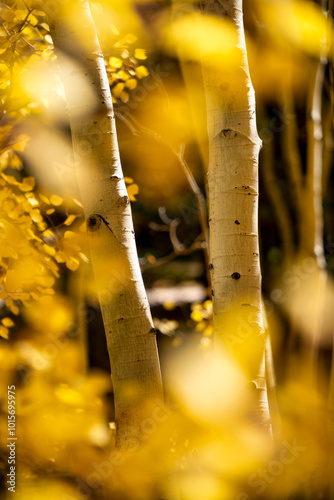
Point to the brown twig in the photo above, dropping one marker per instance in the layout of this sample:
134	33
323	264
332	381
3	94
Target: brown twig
138	130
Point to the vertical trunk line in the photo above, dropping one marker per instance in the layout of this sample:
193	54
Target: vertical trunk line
128	324
311	222
234	147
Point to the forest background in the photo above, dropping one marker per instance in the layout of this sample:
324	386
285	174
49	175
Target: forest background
202	442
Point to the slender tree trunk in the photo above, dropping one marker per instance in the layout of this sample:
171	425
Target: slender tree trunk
311	223
311	215
233	206
272	388
126	315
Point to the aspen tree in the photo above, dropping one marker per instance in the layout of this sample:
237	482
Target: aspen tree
129	329
234	147
311	213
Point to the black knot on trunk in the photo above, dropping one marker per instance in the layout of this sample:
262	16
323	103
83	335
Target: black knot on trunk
235	276
93	222
227	132
124	201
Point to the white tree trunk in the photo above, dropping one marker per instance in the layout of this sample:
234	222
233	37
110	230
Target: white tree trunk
126	315
233	206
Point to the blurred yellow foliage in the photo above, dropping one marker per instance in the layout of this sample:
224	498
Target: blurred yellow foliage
205	443
202	37
296	24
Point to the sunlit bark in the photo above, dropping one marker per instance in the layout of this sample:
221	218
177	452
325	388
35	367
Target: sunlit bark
234	147
127	319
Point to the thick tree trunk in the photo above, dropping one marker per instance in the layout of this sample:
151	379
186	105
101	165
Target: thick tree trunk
233	206
127	319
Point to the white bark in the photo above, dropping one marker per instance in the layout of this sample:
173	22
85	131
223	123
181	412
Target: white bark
127	319
233	206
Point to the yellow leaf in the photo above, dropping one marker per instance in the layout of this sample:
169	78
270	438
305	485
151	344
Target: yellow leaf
128	180
4	332
111	78
56	200
41	13
141	72
49	234
196	316
12	307
33	20
27	184
132	191
117	89
208	305
44	199
36	215
42	226
15	162
32	200
70	219
8	15
21	143
140	54
131	83
10	179
115	62
60	257
128	38
49	250
208	331
7	322
72	264
20	14
122	75
68	235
